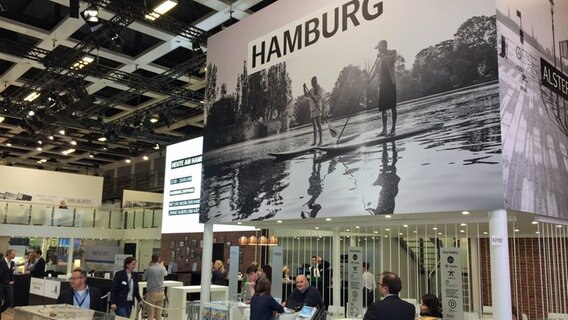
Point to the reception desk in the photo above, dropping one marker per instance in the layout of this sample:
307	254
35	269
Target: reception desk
61	312
46	290
177	297
167	284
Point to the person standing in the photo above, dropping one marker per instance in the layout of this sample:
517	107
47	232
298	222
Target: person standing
39	267
125	289
248	287
219	275
262	305
7	280
369	286
154	275
314	97
80	294
391	307
385	74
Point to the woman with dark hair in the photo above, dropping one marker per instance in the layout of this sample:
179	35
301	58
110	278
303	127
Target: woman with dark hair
430	306
125	289
262	305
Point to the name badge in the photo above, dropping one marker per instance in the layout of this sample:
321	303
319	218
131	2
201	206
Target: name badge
124	283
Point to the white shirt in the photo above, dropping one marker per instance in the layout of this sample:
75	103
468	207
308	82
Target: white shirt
369	281
130	296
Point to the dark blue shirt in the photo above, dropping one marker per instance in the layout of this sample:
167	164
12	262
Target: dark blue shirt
261	307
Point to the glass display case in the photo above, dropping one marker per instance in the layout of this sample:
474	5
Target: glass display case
61	312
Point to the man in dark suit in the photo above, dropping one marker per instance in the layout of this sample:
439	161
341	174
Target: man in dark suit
39	267
391	307
7	280
81	295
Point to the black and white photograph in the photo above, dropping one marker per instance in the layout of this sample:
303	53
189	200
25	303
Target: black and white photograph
533	58
375	119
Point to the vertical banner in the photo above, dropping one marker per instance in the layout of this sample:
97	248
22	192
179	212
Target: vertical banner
277	255
233	273
355	277
452	284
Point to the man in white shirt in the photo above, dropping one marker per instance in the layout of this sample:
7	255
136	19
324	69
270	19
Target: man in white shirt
369	285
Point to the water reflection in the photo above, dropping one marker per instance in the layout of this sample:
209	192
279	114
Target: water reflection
415	174
388	180
314	189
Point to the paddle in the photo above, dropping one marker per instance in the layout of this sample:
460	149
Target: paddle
331	129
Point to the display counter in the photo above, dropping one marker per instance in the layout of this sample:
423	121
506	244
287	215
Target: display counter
177	297
46	290
21	289
61	312
167	284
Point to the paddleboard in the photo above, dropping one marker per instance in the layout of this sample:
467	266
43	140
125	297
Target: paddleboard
307	149
345	147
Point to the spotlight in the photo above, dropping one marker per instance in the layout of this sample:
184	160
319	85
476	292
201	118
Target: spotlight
196	47
145	157
127	161
73	142
91	155
91	14
50	137
2	118
31	113
157	147
91	17
153	119
62	132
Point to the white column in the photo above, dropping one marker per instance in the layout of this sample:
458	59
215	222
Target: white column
70	256
475	272
206	264
500	276
353	241
336	267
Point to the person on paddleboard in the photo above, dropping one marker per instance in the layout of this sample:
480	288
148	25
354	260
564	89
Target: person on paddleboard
314	96
387	85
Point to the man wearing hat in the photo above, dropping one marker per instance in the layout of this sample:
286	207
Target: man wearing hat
384	72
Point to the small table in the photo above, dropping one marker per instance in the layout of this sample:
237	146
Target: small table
177	296
167	283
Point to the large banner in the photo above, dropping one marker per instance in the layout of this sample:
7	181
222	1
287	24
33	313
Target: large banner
50	187
533	80
353	107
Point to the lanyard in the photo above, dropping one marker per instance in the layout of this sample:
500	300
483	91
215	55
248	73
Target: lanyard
76	298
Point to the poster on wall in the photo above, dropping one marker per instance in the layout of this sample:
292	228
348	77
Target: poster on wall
342	108
50	187
533	80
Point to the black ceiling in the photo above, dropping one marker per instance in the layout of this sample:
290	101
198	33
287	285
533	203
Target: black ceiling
138	71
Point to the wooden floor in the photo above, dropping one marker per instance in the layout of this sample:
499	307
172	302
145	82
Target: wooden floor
8	314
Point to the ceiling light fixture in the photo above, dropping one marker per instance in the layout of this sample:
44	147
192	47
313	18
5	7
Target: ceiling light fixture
153	119
62	132
91	14
91	155
39	149
50	137
157	147
2	119
102	139
83	62
8	144
31	113
73	142
465	212
145	157
32	96
160	9
127	160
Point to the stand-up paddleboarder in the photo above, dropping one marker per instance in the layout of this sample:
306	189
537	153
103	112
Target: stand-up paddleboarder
387	85
314	96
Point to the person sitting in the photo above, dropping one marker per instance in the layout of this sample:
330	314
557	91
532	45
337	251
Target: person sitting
304	295
80	294
430	306
262	305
